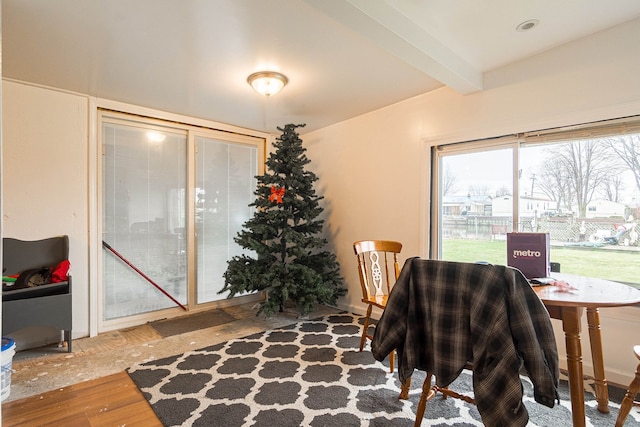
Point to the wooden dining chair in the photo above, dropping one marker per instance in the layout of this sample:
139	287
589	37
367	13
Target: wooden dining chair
378	269
469	310
630	396
429	391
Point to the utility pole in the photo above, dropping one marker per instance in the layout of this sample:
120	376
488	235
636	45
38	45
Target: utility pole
533	181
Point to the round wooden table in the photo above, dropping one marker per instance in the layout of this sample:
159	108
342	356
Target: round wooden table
590	294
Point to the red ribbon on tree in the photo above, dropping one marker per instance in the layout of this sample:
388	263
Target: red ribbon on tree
276	194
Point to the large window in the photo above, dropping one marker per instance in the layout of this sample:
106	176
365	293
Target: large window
173	197
581	185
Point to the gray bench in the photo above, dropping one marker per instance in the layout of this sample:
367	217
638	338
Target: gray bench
44	305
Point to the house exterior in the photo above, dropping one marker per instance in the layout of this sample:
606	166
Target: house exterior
527	206
601	208
467	205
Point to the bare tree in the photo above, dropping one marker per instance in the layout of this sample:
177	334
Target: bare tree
612	187
584	166
627	148
448	182
503	191
479	190
553	181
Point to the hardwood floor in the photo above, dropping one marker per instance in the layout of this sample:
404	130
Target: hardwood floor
109	401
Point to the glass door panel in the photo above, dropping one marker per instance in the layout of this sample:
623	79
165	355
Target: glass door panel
143	218
225	183
541	189
583	193
475	205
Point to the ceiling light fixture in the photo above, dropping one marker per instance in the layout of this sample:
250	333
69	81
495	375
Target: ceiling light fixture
267	83
528	25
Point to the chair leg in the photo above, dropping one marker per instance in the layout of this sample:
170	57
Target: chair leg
404	389
365	335
427	394
629	397
365	327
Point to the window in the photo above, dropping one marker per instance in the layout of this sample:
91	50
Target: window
579	184
172	196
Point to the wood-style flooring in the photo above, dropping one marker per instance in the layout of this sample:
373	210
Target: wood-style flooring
109	401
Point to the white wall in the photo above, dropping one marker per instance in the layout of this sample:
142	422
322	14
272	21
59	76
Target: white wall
49	173
45	150
373	169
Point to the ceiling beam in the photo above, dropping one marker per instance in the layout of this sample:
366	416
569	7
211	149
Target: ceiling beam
394	32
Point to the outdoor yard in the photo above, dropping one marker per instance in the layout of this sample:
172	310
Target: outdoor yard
617	263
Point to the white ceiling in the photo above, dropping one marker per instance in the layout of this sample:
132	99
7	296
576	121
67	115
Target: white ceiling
343	58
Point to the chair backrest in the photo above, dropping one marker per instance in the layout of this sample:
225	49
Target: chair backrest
21	255
378	266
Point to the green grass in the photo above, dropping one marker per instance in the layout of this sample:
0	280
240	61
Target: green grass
614	264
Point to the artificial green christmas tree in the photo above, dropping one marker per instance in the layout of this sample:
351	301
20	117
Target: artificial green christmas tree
287	260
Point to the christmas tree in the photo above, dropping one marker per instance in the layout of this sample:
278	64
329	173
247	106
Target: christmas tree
285	257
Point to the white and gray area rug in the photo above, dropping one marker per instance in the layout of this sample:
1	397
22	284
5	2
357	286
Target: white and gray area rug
312	374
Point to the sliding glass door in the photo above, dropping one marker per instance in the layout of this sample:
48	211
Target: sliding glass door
476	204
144	217
225	181
580	184
173	199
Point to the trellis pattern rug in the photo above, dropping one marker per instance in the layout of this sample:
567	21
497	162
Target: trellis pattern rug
312	374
